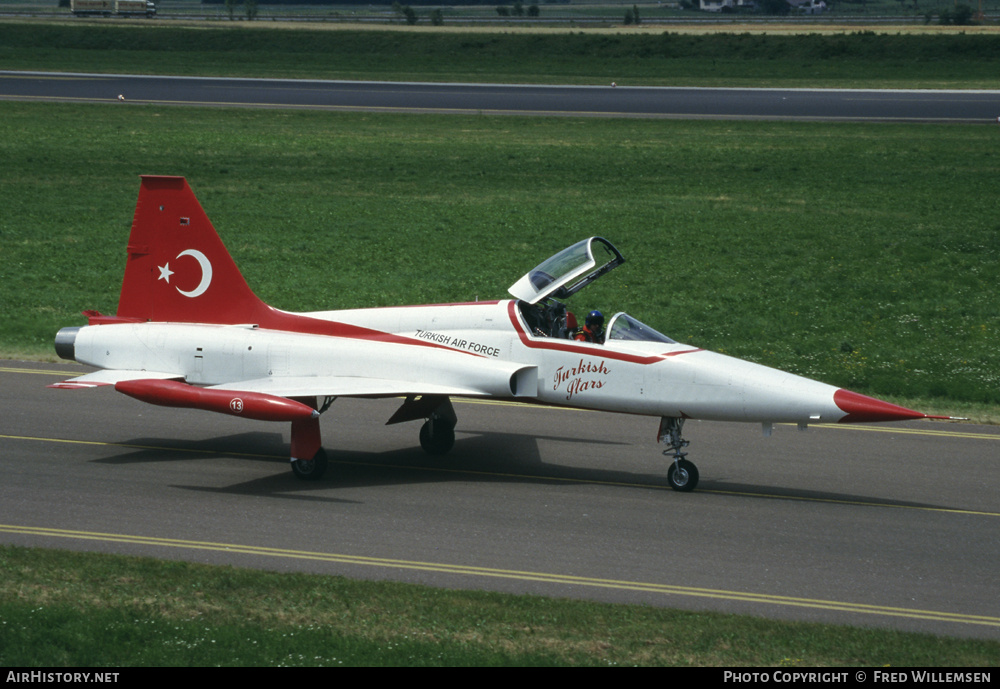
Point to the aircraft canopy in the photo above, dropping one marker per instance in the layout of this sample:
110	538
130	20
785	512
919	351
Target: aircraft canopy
568	272
623	327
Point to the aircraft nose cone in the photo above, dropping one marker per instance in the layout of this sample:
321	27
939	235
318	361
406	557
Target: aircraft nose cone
860	408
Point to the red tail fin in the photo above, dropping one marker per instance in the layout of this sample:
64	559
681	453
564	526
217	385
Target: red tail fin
178	269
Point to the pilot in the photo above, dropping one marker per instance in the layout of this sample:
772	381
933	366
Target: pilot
593	328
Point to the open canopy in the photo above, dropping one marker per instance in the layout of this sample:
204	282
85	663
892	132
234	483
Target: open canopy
562	276
568	272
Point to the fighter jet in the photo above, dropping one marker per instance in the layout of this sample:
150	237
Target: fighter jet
189	332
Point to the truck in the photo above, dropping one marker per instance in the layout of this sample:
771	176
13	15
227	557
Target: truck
107	8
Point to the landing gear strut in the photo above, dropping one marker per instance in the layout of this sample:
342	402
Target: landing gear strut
682	474
309	459
437	435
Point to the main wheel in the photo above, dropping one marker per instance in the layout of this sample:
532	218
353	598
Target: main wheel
682	476
310	469
437	437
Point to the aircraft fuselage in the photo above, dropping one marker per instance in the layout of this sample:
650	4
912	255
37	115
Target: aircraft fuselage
441	343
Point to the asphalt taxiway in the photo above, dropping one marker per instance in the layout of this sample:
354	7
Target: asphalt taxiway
602	100
891	526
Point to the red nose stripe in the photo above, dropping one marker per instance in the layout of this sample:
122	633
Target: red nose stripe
862	408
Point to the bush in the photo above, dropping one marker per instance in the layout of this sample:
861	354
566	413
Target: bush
962	15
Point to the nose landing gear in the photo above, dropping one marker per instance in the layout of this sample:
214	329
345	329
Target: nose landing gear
682	474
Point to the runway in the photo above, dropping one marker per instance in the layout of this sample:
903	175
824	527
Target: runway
885	526
602	100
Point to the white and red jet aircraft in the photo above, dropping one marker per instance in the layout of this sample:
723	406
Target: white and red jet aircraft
189	332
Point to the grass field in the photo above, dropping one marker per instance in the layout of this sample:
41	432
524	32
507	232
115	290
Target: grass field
862	256
845	59
87	610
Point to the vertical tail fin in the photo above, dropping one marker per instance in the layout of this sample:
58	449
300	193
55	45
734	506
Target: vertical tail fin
178	269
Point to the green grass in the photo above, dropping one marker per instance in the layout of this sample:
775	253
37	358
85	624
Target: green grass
866	257
88	610
855	59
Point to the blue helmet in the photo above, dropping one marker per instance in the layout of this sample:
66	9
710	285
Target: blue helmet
595	318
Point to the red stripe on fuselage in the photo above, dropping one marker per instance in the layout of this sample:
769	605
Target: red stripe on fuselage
307	325
566	346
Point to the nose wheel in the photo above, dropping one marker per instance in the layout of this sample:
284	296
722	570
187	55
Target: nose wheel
682	474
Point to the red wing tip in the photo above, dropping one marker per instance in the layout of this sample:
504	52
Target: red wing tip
861	408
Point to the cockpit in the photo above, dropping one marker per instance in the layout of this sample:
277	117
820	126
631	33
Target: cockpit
539	293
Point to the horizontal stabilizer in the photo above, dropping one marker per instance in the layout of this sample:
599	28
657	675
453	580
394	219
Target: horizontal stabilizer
106	377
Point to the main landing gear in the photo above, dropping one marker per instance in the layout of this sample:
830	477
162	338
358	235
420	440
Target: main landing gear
310	469
309	459
682	474
437	435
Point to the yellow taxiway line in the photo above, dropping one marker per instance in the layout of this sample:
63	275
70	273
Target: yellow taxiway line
495	573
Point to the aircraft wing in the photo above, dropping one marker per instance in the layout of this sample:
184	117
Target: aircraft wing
294	386
110	377
486	380
348	386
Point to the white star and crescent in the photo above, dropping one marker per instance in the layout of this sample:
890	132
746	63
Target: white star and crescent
206	273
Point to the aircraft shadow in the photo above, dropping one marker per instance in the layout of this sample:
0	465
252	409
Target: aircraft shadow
484	457
258	446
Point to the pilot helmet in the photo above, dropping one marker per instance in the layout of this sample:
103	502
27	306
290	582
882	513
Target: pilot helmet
595	318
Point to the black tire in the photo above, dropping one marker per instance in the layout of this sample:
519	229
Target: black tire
682	476
440	441
310	469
